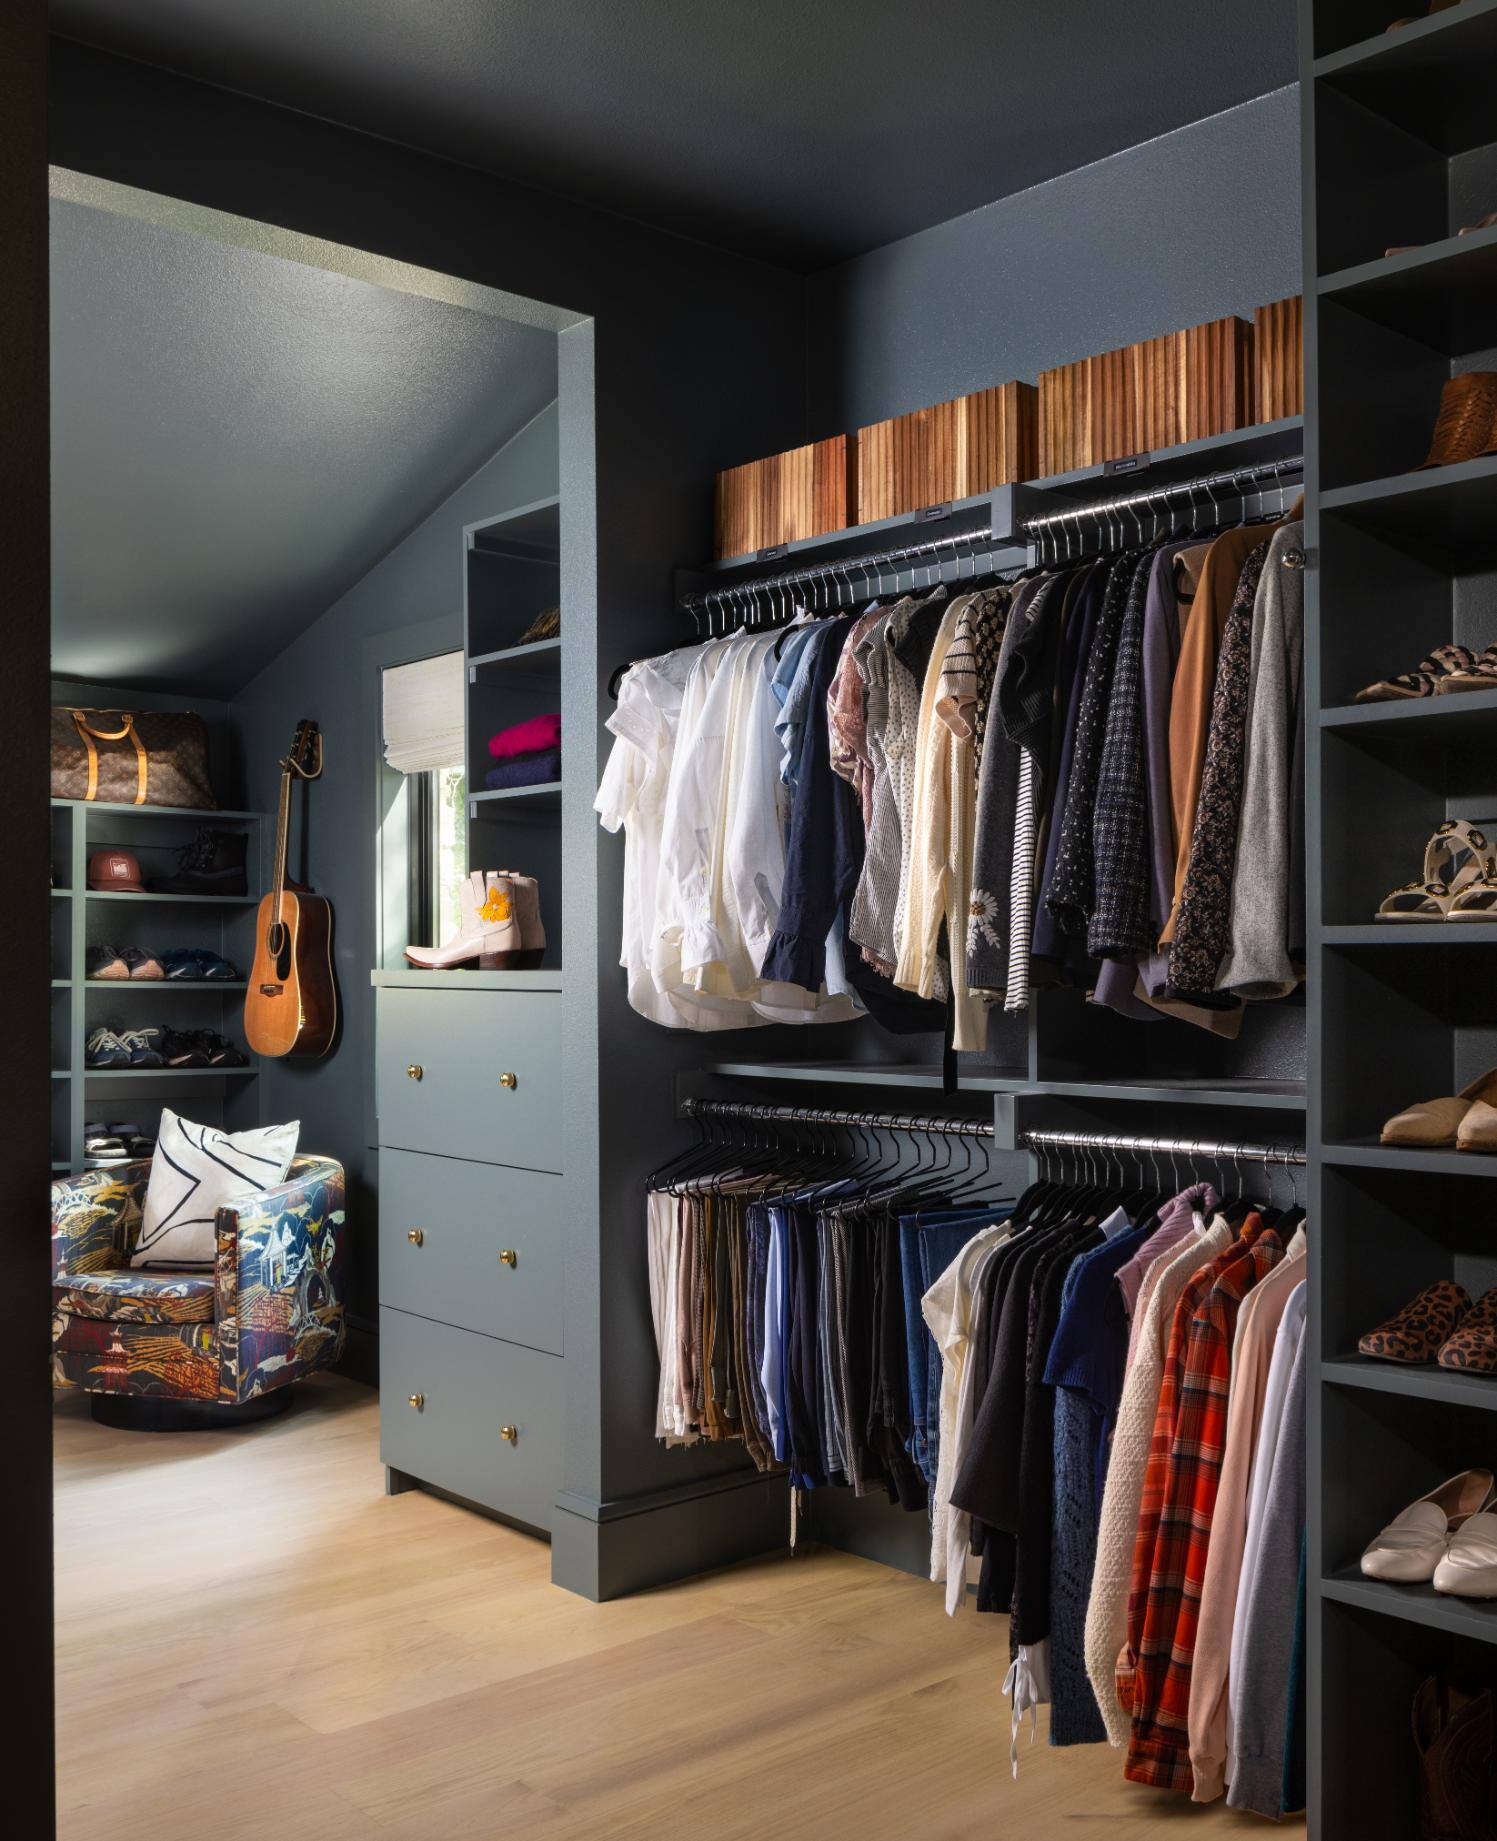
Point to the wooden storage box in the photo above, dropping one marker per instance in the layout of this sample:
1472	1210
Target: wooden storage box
788	497
953	450
1279	359
1155	394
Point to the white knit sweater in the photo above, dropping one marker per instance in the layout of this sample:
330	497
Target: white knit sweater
1107	1609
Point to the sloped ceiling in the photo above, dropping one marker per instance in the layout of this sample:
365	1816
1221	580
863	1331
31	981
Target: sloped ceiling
804	131
237	439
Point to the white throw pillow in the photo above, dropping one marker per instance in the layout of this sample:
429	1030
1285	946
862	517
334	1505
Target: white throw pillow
198	1169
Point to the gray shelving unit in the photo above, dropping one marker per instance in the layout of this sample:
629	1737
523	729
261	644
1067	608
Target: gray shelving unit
1400	148
82	917
513	571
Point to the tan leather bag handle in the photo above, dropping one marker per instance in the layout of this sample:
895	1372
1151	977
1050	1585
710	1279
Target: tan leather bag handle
89	735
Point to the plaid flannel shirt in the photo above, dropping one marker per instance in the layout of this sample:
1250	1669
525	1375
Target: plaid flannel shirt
1159	1751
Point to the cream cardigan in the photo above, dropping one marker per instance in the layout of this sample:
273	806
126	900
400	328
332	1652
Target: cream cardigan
1107	1609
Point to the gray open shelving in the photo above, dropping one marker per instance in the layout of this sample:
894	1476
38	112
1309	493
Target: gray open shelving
82	917
1400	143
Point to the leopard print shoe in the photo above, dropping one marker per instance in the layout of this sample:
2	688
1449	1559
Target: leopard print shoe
1425	1327
1474	1344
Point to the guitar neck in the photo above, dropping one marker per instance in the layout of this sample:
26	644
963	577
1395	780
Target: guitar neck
282	842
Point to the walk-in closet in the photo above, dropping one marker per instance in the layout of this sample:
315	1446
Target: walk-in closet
766	1041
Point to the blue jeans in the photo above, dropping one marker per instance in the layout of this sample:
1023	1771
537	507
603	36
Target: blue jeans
927	1245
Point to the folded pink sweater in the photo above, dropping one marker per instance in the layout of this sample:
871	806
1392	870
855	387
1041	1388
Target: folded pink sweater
526	737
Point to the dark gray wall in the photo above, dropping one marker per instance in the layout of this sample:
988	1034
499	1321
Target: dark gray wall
1196	224
410	604
25	1313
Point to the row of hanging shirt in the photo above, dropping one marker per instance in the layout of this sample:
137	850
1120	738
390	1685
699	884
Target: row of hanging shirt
1096	1394
1053	780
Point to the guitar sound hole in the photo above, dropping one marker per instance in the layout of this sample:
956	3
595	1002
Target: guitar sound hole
275	939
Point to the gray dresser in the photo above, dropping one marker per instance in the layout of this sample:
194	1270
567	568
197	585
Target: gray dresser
468	1096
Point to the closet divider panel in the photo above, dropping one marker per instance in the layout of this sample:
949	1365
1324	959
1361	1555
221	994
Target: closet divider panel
952	450
784	498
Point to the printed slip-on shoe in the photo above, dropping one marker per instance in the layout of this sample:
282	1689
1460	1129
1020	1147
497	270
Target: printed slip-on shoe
1413	1544
1423	1328
1472	1344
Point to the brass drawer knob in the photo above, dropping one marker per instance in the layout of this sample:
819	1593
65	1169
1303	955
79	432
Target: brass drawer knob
509	1080
509	1433
508	1256
415	1071
418	1401
415	1235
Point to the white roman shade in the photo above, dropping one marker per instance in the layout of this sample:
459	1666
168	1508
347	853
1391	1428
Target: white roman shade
423	718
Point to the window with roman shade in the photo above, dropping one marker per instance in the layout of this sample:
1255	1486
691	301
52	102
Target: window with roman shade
423	714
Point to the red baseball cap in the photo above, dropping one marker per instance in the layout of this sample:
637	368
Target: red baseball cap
115	869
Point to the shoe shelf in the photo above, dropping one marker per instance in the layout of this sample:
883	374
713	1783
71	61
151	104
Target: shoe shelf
1440	294
1371	1154
1413	933
1443	1386
199	901
160	985
143	1074
1433	79
410	978
1417	1604
1469	715
1449	511
115	809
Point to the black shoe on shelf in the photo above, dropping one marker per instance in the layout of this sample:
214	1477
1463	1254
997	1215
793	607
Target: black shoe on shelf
220	1051
212	864
181	1049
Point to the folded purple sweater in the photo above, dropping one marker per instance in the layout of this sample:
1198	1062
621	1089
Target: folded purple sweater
525	770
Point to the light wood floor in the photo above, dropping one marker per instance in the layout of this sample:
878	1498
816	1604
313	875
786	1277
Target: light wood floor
254	1642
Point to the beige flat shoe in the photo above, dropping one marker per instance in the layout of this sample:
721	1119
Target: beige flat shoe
1478	1130
1417	1539
1432	1123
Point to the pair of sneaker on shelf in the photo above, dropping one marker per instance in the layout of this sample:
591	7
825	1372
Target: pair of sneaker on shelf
499	930
119	1143
183	964
110	1046
1447	1539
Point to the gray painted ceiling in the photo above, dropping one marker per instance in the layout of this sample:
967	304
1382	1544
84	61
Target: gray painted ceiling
237	439
802	130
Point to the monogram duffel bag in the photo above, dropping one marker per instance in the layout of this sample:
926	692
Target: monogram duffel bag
148	757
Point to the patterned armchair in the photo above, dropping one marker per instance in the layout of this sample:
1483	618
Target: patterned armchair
270	1312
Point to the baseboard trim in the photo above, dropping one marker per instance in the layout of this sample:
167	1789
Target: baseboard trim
603	1550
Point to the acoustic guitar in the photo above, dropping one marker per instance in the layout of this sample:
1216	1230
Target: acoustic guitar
291	1007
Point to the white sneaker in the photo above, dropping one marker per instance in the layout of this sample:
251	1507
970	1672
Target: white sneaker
1469	1567
1415	1542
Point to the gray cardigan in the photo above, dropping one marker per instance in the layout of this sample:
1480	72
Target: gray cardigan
1257	963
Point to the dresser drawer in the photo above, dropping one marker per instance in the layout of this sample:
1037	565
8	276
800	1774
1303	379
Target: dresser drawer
463	1216
442	1060
468	1388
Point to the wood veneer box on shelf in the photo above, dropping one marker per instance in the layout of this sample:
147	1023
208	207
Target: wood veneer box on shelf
1156	393
952	450
1279	359
804	492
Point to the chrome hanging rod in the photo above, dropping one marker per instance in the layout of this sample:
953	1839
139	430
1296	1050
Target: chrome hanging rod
843	571
834	1115
1232	481
1213	1149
